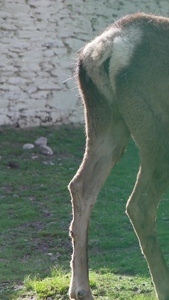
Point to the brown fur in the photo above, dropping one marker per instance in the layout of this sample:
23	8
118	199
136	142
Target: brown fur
139	107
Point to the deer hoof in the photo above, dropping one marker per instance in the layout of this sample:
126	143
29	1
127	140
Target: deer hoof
81	294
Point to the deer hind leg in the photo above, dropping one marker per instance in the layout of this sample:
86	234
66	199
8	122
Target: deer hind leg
107	137
85	186
141	209
151	135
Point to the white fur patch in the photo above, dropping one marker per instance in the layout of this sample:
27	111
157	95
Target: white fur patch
118	45
123	49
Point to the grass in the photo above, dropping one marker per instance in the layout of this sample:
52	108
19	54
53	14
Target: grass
35	213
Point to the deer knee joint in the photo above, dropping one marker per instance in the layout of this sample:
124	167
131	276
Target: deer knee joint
74	186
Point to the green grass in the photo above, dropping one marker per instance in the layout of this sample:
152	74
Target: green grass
35	213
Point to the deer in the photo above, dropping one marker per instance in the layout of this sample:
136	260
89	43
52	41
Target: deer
123	79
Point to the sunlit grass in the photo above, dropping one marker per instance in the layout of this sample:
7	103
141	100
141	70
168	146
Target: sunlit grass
56	285
104	284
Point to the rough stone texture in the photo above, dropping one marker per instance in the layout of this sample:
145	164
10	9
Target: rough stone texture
41	141
39	43
28	146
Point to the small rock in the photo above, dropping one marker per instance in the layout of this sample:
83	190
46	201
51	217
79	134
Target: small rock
48	163
28	146
41	141
35	157
46	150
13	165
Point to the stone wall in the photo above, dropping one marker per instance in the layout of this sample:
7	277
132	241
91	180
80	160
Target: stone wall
39	43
